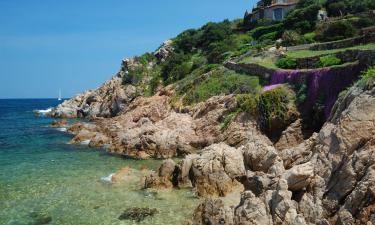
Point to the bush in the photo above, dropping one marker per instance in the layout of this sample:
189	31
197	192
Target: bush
175	68
273	105
221	81
340	7
214	32
335	31
134	76
187	40
273	36
302	19
216	51
287	63
309	38
247	103
258	32
329	60
291	38
367	78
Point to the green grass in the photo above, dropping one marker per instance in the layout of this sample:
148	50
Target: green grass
367	78
311	53
266	62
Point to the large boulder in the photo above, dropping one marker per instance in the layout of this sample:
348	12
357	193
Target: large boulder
214	172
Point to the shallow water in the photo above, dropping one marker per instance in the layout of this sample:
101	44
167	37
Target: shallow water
43	178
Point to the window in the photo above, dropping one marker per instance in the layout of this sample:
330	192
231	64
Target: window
278	14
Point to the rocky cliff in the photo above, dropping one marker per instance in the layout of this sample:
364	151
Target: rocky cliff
328	179
323	178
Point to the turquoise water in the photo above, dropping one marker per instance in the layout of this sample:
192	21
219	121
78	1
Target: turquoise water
45	180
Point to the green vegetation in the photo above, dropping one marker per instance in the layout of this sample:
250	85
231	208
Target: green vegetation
176	67
273	105
328	60
311	53
220	81
287	63
303	19
343	7
367	78
335	31
267	106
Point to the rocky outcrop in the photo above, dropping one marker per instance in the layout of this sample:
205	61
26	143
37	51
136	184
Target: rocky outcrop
327	179
164	178
106	101
291	137
211	173
164	50
150	127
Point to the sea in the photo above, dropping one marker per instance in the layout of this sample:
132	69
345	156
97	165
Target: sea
45	180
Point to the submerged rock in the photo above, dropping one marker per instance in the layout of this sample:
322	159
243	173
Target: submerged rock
137	214
59	123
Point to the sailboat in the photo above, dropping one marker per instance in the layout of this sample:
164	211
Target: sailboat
59	99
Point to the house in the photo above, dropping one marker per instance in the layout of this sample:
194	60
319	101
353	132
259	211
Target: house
273	10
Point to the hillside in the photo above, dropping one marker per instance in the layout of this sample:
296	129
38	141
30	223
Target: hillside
281	112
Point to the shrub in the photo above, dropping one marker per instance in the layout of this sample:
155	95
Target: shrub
340	7
214	32
134	76
309	37
273	36
302	19
273	105
367	78
145	58
187	40
335	31
216	51
287	63
258	32
290	38
247	103
176	67
329	60
221	81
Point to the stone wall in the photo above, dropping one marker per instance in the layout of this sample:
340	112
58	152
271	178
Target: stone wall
364	39
364	56
251	68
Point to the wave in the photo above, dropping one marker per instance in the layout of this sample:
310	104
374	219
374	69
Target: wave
42	112
62	129
85	142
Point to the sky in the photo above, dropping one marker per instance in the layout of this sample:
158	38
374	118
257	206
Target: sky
75	45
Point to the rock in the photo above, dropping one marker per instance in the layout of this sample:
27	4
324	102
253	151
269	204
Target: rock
59	123
260	156
252	211
299	177
99	140
291	137
137	214
164	178
120	175
213	211
164	51
214	172
149	127
107	101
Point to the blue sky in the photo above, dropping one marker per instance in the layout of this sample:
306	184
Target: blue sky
74	45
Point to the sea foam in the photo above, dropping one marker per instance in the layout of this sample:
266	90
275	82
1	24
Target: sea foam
107	179
42	112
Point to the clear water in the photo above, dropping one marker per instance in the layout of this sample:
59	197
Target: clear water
43	177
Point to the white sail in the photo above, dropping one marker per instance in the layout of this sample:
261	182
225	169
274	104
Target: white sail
59	96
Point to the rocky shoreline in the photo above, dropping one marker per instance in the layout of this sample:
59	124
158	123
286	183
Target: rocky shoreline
327	177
